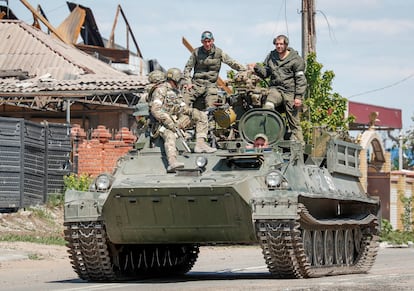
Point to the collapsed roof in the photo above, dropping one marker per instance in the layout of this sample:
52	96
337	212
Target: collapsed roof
53	68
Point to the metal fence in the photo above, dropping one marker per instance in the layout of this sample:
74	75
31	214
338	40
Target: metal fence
33	160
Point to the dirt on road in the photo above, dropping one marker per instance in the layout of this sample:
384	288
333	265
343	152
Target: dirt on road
32	223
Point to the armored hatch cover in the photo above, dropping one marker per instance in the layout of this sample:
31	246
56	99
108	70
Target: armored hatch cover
262	121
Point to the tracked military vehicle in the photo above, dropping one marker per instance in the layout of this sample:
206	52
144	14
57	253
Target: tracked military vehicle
304	206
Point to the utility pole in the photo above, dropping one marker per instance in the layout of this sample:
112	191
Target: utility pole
308	28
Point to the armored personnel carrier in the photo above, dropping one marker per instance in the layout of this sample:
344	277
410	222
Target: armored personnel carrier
304	206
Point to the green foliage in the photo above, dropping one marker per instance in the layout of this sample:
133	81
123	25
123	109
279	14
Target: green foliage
323	108
231	74
41	213
386	227
55	200
407	213
395	237
34	256
408	146
77	182
50	240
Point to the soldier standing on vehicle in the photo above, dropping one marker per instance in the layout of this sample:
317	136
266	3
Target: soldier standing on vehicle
286	70
201	90
168	107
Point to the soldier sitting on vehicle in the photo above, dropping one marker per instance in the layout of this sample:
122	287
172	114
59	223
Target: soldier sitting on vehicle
168	107
205	61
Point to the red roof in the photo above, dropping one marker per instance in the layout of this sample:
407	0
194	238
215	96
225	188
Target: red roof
387	117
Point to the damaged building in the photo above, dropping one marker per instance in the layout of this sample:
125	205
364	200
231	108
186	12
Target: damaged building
51	85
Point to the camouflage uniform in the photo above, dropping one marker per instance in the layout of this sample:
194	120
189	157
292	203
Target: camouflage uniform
206	66
287	82
154	78
169	108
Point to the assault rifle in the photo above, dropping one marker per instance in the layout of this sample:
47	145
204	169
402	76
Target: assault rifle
181	137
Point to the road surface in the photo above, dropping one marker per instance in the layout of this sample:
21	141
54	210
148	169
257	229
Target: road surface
217	268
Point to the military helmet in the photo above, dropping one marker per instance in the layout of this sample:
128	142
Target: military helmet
156	76
174	74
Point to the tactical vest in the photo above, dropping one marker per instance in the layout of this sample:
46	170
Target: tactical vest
172	101
207	65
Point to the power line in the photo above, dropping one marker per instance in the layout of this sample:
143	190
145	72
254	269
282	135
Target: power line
286	22
330	30
382	88
276	31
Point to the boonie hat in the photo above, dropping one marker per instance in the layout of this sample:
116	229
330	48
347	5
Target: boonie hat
261	135
207	35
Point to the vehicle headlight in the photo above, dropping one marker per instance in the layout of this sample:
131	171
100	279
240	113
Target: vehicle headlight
274	179
103	182
201	161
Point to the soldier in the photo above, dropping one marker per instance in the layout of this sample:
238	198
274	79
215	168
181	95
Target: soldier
141	112
168	108
288	83
260	141
201	90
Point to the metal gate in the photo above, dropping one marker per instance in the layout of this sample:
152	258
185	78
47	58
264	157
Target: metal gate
379	184
34	157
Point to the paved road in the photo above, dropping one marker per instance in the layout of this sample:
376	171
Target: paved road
218	268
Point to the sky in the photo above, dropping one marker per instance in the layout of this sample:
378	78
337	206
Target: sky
368	44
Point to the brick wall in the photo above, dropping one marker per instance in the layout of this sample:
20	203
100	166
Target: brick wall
402	183
100	152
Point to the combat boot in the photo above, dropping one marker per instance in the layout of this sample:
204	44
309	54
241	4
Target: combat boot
173	164
202	147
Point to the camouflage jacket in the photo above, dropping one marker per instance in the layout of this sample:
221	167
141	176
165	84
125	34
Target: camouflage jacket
288	75
207	65
166	103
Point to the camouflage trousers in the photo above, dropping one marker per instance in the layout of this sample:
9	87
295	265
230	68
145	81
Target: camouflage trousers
202	96
286	102
196	117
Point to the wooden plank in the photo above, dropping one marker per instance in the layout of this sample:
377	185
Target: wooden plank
70	28
115	55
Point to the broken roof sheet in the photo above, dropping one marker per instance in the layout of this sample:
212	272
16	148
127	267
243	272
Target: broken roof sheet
67	68
90	32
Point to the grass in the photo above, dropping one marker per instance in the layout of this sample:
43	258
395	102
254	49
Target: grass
41	213
55	200
35	257
397	237
47	240
45	214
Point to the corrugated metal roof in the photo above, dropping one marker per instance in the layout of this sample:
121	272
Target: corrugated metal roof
29	49
85	83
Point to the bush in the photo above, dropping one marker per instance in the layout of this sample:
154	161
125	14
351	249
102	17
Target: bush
55	200
395	237
77	182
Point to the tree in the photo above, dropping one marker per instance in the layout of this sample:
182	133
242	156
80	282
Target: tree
408	148
406	142
322	107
